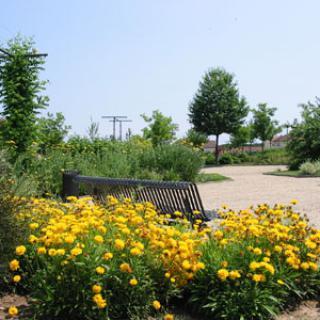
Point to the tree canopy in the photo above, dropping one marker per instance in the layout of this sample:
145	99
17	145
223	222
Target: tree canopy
217	107
160	130
304	142
264	126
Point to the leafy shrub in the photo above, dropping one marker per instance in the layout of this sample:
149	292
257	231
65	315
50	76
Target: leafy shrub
304	143
257	261
226	158
86	261
310	168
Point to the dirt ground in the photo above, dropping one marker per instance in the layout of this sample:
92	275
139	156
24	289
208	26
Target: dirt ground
250	186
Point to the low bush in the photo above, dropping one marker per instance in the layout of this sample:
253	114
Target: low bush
310	168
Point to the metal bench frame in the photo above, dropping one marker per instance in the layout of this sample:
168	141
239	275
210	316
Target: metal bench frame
167	196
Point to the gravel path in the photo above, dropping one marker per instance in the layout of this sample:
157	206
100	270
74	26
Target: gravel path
249	186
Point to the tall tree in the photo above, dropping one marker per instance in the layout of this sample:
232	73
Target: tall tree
217	106
160	130
264	126
20	92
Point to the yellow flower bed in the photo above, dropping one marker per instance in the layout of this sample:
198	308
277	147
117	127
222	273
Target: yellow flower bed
257	261
123	261
115	260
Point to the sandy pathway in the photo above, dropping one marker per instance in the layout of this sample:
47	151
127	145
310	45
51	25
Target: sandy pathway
249	186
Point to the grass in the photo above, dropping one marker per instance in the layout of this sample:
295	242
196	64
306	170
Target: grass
210	177
290	173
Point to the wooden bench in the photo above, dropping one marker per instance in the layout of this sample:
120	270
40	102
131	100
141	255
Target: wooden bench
167	196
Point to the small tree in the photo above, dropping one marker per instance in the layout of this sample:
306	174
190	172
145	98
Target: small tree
52	130
20	90
264	126
304	142
161	129
93	130
217	106
240	137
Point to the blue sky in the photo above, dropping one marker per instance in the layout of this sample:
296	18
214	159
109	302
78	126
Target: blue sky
129	57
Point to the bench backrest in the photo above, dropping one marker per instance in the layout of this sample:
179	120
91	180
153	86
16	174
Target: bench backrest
167	196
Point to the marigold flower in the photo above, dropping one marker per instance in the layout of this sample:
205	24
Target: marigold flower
98	239
16	278
20	250
108	256
223	274
156	304
133	282
14	265
100	270
125	267
76	251
234	275
13	311
96	288
119	244
168	316
42	250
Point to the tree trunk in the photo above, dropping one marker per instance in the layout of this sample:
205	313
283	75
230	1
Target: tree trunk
217	149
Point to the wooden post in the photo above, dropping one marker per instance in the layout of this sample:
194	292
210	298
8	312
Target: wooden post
70	187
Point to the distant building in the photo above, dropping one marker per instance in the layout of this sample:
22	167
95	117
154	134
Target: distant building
278	142
209	146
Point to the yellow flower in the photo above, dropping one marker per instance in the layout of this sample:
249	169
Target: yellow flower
16	278
304	266
98	239
294	201
257	251
108	256
14	265
76	251
13	311
42	250
259	277
223	274
133	282
168	316
156	304
234	275
100	270
280	282
119	244
52	252
100	302
125	267
135	251
254	265
186	265
96	288
20	250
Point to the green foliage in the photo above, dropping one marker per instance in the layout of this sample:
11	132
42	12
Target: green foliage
172	162
304	143
310	168
264	126
51	130
20	90
210	177
226	158
217	106
195	138
241	136
160	130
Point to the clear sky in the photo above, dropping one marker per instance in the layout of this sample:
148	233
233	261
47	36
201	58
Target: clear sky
129	57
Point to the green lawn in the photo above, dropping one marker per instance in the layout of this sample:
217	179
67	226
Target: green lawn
210	177
290	173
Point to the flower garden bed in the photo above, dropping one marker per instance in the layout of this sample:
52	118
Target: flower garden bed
83	260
